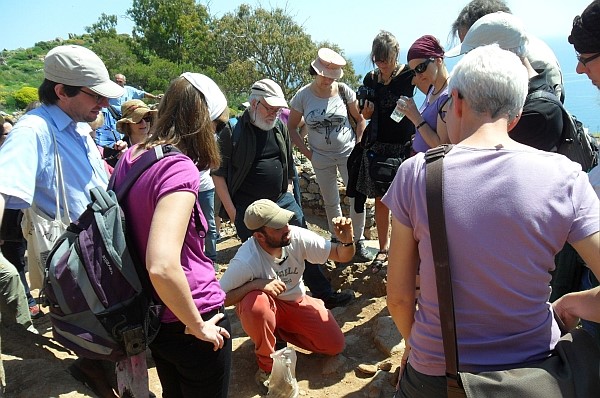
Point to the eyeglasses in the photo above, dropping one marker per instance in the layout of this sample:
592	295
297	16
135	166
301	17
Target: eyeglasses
422	67
99	98
147	119
585	60
446	106
270	110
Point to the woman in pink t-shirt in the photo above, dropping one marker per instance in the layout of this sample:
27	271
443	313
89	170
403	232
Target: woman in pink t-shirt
192	351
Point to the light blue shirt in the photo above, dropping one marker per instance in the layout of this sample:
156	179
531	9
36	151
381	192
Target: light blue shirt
28	168
130	93
107	134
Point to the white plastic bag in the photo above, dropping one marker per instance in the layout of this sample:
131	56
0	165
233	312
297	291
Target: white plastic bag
283	383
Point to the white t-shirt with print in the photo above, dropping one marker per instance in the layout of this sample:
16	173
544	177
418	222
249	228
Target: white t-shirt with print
329	130
252	262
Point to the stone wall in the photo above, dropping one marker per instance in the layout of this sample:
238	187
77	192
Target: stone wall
312	202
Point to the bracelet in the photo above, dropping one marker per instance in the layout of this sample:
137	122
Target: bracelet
421	124
347	244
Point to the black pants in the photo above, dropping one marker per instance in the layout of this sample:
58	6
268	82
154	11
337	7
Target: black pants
417	385
188	367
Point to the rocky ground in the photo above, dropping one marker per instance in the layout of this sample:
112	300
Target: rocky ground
36	365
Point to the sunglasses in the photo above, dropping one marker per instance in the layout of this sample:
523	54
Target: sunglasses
147	119
422	67
585	60
99	98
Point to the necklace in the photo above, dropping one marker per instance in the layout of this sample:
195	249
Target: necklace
392	74
441	88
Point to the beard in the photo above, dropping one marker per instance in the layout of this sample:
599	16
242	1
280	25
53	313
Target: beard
262	123
273	243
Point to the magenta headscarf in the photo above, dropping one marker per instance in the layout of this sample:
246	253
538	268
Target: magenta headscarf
425	47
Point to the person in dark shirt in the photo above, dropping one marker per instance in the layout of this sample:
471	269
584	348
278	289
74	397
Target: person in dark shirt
257	164
541	123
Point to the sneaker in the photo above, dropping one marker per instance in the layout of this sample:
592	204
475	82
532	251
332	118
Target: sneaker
362	254
262	379
35	312
340	299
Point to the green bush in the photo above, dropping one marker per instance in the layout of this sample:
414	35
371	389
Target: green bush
24	96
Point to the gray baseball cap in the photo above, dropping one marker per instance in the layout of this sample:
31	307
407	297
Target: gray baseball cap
77	66
500	28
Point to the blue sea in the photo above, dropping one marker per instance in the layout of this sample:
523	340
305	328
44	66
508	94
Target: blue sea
582	98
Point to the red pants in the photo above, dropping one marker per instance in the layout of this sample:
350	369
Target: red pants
306	324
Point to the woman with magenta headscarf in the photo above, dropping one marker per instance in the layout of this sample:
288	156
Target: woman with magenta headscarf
426	58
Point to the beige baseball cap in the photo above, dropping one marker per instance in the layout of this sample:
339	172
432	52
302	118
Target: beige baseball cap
80	67
270	91
265	212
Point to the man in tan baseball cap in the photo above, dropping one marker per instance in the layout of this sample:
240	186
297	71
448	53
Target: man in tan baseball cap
257	163
264	280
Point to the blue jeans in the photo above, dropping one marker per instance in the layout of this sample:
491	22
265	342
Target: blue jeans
313	275
207	204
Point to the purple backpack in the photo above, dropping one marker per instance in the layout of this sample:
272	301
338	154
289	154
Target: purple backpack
97	288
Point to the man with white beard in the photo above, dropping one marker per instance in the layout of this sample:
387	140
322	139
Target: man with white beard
257	163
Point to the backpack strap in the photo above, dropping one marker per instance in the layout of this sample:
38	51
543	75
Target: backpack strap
551	97
146	160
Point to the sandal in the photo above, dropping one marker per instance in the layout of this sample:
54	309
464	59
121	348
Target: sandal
379	261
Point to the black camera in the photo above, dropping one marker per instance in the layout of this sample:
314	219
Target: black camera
364	93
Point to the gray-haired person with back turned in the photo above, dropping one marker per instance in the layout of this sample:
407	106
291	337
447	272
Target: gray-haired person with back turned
501	247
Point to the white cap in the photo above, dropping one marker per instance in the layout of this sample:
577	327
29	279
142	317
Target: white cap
77	66
270	91
501	28
215	99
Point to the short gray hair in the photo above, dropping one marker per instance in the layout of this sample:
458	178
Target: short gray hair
493	81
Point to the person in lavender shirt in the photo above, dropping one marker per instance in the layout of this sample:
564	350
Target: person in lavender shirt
192	351
426	58
508	209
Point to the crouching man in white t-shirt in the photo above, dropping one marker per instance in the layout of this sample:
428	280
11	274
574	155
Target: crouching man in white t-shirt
264	281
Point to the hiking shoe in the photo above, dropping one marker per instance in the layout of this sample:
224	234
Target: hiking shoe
340	299
362	254
92	374
262	379
35	312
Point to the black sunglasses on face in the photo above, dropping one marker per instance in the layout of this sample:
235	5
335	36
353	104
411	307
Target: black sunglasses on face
585	60
147	119
422	67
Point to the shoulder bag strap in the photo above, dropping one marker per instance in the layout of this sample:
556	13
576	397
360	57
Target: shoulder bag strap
65	217
439	245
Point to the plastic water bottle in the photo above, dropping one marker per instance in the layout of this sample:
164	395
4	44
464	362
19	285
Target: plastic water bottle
397	115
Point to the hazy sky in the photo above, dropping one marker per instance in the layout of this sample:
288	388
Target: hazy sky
350	24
